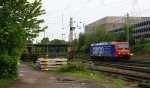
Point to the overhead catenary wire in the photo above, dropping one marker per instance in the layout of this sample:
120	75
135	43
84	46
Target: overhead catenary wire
92	10
82	7
119	7
102	2
132	13
96	7
110	10
141	12
62	9
135	7
72	5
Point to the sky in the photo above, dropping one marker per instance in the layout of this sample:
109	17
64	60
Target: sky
83	12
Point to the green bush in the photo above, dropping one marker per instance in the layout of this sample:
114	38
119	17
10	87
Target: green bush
147	48
74	66
141	48
8	67
84	48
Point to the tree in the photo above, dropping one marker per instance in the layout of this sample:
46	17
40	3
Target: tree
101	35
88	41
18	23
45	40
44	49
131	38
75	45
119	36
57	41
81	40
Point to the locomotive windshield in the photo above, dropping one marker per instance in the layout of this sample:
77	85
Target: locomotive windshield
123	46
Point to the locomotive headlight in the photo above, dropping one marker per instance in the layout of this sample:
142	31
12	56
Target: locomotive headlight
119	53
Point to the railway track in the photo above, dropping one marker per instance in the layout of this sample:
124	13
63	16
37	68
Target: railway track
142	79
128	66
134	71
137	76
137	72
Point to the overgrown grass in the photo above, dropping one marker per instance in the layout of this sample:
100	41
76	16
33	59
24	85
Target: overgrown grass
74	66
29	63
80	54
80	69
145	84
5	82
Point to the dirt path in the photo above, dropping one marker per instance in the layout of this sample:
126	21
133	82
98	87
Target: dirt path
30	78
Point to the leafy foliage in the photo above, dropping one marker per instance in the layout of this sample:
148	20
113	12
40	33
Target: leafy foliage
131	39
5	82
50	50
87	40
57	41
75	66
81	40
18	23
9	67
141	48
45	40
120	36
75	45
100	35
81	70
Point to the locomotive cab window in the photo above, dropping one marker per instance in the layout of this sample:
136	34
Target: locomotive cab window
123	46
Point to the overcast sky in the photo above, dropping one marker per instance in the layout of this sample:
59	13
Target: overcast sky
83	12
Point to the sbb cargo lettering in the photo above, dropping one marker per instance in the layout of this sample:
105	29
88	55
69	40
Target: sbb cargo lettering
98	51
110	50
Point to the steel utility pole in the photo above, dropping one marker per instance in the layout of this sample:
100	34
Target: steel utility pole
128	39
70	49
71	30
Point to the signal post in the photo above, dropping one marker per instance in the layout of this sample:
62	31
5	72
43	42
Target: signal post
70	48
